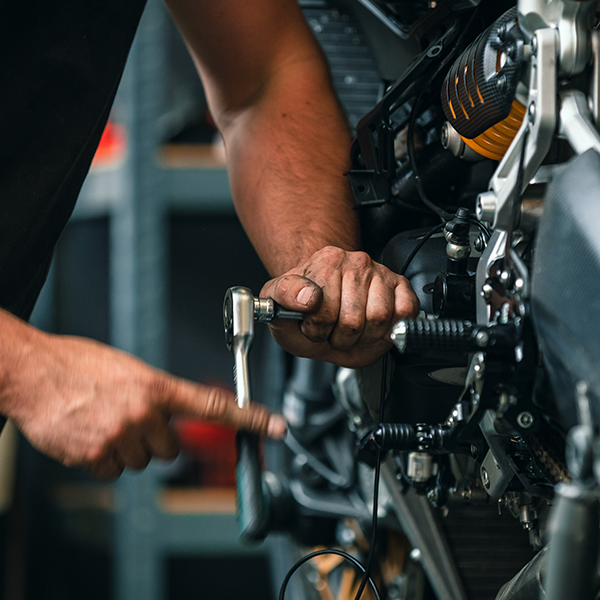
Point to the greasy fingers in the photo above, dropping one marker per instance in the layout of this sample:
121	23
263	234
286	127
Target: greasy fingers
218	404
295	292
361	301
380	311
406	302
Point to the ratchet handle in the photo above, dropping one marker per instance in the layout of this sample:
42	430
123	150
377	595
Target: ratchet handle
252	504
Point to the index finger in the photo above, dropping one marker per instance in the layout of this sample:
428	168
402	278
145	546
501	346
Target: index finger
181	397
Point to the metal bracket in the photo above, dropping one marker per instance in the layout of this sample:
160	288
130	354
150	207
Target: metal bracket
576	122
541	122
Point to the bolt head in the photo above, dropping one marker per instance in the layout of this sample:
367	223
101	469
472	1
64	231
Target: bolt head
482	339
415	555
485	478
525	420
480	243
534	45
501	83
531	113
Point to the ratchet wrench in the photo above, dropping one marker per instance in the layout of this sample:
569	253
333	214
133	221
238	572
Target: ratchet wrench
240	310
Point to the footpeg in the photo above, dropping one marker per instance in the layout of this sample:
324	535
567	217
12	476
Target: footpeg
414	336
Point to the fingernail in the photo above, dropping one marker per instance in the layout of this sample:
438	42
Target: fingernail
277	427
305	295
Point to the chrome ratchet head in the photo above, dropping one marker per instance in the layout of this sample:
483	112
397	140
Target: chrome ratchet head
238	320
238	317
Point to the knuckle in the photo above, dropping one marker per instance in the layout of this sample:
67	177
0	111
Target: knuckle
114	435
317	329
158	386
215	404
350	323
361	261
258	418
282	287
378	317
331	254
140	414
94	455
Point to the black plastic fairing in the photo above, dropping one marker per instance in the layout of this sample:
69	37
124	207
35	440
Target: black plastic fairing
566	282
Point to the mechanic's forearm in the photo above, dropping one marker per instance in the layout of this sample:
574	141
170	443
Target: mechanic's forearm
18	344
270	93
287	157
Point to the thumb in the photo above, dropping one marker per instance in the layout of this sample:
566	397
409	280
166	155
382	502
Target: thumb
216	404
294	292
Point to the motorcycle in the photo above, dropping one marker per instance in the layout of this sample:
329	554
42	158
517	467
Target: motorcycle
476	174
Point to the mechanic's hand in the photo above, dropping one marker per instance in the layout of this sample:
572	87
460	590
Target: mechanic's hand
91	406
351	304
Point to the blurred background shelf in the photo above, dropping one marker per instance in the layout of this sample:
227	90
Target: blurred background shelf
192	521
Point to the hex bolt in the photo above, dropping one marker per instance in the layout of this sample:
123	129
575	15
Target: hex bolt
531	113
525	420
482	339
502	31
501	83
486	291
480	243
485	478
534	45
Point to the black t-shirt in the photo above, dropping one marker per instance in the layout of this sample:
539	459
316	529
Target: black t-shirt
60	64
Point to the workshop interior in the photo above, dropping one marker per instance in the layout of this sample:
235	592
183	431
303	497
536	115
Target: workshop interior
464	465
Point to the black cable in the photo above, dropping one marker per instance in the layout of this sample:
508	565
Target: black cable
444	216
418	247
484	229
376	486
366	577
312	555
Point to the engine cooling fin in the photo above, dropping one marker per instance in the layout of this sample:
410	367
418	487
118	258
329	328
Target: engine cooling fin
489	549
478	93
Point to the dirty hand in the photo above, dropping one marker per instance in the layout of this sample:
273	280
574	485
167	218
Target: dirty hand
91	406
351	304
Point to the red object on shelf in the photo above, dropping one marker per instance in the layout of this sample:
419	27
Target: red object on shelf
213	446
112	145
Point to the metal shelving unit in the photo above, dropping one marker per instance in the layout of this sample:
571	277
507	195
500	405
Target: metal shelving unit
136	194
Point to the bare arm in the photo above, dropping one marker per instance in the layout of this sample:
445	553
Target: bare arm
287	141
88	405
288	144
